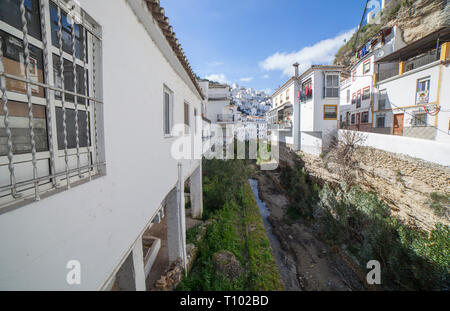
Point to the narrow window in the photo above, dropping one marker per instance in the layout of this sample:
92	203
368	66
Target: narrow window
423	88
195	121
358	100
186	118
167	112
366	66
348	96
382	100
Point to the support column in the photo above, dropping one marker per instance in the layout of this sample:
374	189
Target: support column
131	275
176	223
196	193
401	68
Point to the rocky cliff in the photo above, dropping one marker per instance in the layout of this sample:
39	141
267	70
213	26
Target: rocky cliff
416	18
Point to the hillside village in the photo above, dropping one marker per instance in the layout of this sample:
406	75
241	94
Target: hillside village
347	162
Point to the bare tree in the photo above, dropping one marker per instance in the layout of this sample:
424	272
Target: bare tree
341	153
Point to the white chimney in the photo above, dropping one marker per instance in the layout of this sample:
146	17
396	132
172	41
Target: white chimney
295	69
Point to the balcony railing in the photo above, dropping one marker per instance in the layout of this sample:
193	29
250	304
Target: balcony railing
226	118
420	61
384	74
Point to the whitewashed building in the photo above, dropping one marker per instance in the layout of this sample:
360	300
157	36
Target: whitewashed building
304	110
356	101
84	175
414	100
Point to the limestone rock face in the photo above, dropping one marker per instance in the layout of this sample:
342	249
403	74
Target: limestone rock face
416	18
226	263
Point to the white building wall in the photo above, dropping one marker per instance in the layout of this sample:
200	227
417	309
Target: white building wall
98	222
401	93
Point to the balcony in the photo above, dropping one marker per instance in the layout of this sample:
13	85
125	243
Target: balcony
385	74
421	60
230	118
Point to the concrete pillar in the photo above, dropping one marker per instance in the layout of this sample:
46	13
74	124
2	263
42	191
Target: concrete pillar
131	275
176	223
196	193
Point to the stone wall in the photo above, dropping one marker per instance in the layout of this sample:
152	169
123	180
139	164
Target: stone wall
403	182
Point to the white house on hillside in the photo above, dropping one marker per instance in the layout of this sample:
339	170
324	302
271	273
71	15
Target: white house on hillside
356	101
86	176
414	100
305	108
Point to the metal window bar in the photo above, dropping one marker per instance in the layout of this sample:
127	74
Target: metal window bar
86	102
12	175
47	91
75	87
14	185
94	94
30	105
63	104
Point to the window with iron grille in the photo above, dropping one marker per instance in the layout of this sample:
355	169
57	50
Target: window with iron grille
366	93
51	128
353	118
420	119
380	121
307	91
365	117
331	85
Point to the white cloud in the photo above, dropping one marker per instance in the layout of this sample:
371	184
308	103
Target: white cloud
322	52
265	77
220	77
246	79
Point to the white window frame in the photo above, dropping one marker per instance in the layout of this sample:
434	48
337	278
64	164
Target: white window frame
418	89
332	86
54	176
187	126
382	95
167	90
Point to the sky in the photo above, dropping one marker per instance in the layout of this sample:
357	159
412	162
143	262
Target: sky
255	42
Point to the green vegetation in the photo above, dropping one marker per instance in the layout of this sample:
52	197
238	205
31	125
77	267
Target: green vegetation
235	226
369	30
358	221
302	192
410	259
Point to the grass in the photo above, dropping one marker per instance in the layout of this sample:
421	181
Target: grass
235	226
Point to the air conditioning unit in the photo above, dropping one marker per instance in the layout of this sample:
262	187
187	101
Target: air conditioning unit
422	97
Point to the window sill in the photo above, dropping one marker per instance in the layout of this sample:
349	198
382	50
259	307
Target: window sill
29	199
